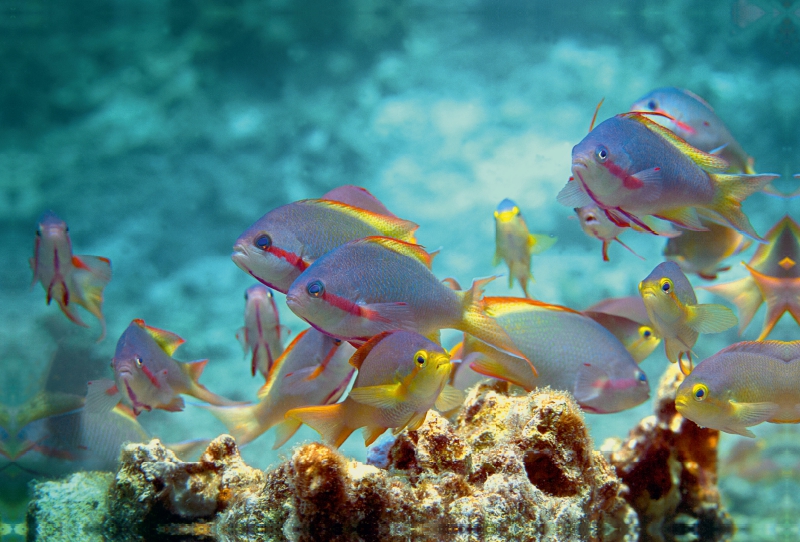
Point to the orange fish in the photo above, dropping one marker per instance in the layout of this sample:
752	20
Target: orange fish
774	278
70	280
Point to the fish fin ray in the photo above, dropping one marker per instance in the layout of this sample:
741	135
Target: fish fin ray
486	366
240	421
284	431
649	183
590	381
538	243
363	351
449	398
168	341
384	396
102	396
710	318
685	217
328	421
573	196
753	413
732	189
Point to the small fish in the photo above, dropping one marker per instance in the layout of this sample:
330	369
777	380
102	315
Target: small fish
631	167
286	240
147	376
774	278
702	252
744	385
313	371
401	375
596	224
677	317
70	280
262	331
639	339
358	197
378	284
691	118
515	244
571	351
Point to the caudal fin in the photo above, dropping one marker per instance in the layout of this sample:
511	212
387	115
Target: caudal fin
731	191
329	421
193	370
90	277
240	421
480	325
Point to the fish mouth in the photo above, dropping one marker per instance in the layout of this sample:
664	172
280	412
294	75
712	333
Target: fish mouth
681	402
292	300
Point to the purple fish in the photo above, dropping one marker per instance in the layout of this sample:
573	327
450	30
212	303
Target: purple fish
262	329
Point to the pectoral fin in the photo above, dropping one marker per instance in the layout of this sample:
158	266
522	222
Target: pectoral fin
572	195
385	396
591	381
710	318
748	414
685	217
449	399
539	243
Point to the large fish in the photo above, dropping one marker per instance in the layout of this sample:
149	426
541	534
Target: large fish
677	317
286	240
774	278
631	167
147	377
690	117
401	375
358	197
262	333
313	371
702	252
70	280
515	244
743	385
570	351
381	284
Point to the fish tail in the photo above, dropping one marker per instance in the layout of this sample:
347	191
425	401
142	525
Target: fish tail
480	325
240	421
328	421
90	277
285	430
193	370
731	191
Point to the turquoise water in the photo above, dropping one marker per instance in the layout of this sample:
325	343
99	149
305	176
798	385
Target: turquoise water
160	131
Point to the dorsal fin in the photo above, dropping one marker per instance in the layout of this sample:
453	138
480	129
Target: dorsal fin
360	355
270	380
786	351
168	341
499	306
411	250
387	225
708	162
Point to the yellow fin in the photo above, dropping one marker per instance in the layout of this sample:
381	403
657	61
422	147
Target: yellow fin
168	341
371	433
284	431
450	398
753	413
363	351
328	421
500	306
483	364
709	162
385	396
731	190
539	243
685	217
410	250
387	225
240	421
710	318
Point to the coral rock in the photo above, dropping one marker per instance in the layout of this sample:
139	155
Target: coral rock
669	464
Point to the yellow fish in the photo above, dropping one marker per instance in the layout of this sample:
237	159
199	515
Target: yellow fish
515	244
673	309
743	385
774	278
401	375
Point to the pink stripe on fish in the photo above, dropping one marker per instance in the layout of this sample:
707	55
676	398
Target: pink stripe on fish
290	257
150	376
353	308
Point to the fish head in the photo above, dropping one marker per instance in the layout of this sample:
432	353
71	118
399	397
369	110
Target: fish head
259	295
621	386
702	399
506	211
665	292
600	162
645	341
321	295
596	224
270	252
52	234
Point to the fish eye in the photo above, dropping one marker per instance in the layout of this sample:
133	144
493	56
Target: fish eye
421	358
646	333
38	233
642	377
666	285
138	361
337	342
652	105
601	153
315	288
699	392
263	241
246	297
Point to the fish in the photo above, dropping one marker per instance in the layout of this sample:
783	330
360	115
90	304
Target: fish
690	117
378	284
515	244
147	377
401	375
262	332
596	224
631	167
68	279
677	317
702	252
285	241
743	385
358	197
313	371
640	340
774	278
631	307
571	352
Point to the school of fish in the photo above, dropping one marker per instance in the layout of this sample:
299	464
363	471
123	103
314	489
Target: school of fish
372	355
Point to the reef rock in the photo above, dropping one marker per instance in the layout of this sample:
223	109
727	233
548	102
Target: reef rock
669	465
